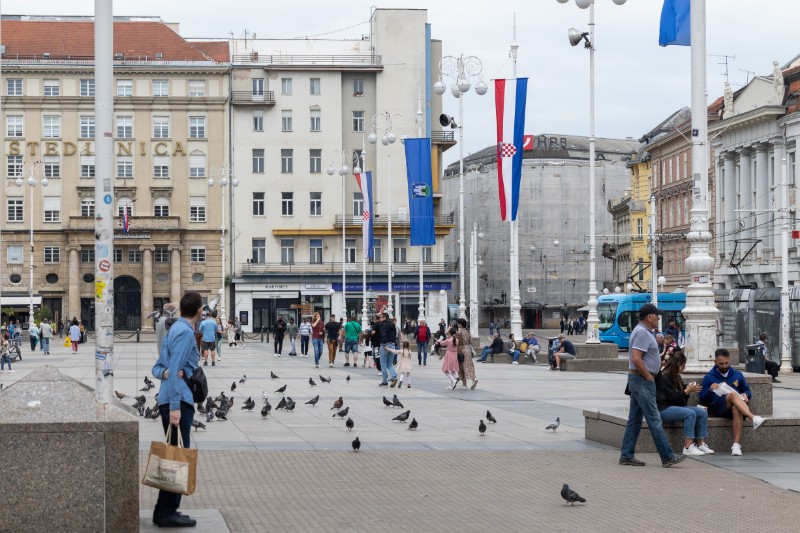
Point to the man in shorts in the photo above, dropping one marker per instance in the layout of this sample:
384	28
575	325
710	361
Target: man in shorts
351	332
208	330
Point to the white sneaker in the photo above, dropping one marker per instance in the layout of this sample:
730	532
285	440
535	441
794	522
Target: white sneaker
515	362
274	355
757	421
736	449
693	450
705	449
330	365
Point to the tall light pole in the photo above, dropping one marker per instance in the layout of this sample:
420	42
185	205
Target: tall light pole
222	175
35	172
421	307
344	170
474	262
460	69
575	37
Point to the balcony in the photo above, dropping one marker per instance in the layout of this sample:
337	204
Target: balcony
397	221
251	98
136	224
638	206
363	61
251	269
445	139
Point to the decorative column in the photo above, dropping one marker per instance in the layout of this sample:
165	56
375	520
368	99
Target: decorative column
175	273
729	184
746	191
762	200
147	281
74	283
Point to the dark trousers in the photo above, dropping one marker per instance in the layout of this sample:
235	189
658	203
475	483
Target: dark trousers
772	368
304	344
278	344
169	502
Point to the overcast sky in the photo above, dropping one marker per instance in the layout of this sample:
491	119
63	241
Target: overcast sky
638	84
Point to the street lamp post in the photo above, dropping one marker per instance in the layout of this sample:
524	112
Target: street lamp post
344	170
36	174
575	37
460	69
474	262
222	175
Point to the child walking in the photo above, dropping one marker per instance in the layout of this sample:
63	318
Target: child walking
404	365
450	363
5	354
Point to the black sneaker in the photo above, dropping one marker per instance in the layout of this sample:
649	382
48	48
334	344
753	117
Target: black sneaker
213	363
630	461
675	460
347	364
175	520
383	384
205	363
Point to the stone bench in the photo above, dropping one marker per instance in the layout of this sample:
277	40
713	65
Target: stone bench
595	365
506	358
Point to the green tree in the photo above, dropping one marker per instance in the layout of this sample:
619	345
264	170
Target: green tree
41	313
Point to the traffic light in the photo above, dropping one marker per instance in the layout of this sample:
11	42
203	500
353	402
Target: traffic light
660	262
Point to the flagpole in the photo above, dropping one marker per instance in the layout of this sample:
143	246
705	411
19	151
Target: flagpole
364	319
421	308
516	319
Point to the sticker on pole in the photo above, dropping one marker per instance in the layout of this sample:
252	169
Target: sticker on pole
104	265
795	234
107	199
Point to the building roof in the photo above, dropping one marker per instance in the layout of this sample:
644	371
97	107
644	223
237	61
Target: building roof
216	50
74	39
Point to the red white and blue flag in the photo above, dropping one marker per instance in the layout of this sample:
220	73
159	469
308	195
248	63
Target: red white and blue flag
126	221
509	100
364	180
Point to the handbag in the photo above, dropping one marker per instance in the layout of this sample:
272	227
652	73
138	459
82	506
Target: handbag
67	342
198	385
171	468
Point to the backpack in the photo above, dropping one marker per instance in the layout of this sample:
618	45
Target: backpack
198	385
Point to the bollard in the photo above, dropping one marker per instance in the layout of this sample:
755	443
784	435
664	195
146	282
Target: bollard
137	334
262	333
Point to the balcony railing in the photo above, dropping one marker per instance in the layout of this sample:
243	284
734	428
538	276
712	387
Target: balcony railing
443	137
255	58
136	224
383	220
251	268
251	98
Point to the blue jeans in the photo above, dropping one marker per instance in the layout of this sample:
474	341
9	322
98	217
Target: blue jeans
317	349
487	350
695	420
422	352
351	346
46	344
514	354
304	344
3	360
643	403
168	502
387	359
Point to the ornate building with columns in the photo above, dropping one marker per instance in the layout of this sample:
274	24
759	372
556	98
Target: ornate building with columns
169	129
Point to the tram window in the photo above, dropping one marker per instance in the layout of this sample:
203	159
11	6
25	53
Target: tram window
627	320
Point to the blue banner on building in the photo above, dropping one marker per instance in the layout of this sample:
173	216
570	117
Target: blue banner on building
420	191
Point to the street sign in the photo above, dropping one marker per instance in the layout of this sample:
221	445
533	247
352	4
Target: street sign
531	289
795	234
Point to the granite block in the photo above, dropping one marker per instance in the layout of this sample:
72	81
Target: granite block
760	387
595	365
603	350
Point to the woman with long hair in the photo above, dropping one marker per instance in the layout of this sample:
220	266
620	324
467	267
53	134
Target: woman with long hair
450	363
317	337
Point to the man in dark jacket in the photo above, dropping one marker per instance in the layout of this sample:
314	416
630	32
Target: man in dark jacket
495	348
566	351
388	337
280	331
332	332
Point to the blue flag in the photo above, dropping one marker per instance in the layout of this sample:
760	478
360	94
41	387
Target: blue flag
675	27
420	191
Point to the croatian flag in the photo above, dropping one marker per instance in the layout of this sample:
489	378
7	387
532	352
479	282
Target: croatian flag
364	180
509	100
126	222
675	24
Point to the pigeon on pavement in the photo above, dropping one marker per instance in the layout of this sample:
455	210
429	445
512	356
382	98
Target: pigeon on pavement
349	423
249	404
347	379
273	375
233	386
570	495
142	410
337	404
402	417
342	413
396	402
356	445
324	379
281	404
209	415
196	424
119	395
413	424
221	415
282	389
312	382
290	405
554	425
387	403
265	410
482	428
244	378
490	418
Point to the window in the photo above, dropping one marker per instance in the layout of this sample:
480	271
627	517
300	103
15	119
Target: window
14	126
197	88
14	254
87	166
161	207
124	87
52	126
258	121
286	120
14	166
87	87
52	254
87	127
124	166
125	127
258	204
316	120
52	166
258	160
197	209
358	204
14	210
399	250
639	228
258	86
161	127
118	255
123	205
259	254
377	251
358	121
315	87
197	127
287	251
287	204
286	160
51	88
358	87
87	207
160	87
134	255
197	254
160	166
286	86
315	161
315	199
14	87
161	254
197	165
315	251
87	255
350	250
427	254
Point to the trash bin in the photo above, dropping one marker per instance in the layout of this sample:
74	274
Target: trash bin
754	363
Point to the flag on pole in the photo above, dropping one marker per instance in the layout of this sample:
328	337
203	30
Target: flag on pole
420	191
126	222
364	180
675	27
509	101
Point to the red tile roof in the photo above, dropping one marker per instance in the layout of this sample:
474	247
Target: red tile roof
216	50
716	105
75	39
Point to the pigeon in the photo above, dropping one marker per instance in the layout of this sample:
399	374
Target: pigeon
154	414
570	495
265	410
337	404
201	409
396	402
209	415
139	400
149	383
290	406
342	413
387	403
249	404
233	386
145	412
356	445
264	396
413	425
324	379
230	404
243	379
146	388
347	379
313	401
221	415
281	404
554	425
273	375
196	424
119	395
490	418
312	382
402	417
282	389
221	398
349	423
482	428
211	404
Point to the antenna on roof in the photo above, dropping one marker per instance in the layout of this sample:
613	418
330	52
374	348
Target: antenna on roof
724	58
748	72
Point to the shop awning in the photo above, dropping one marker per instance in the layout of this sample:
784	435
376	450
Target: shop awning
17	301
